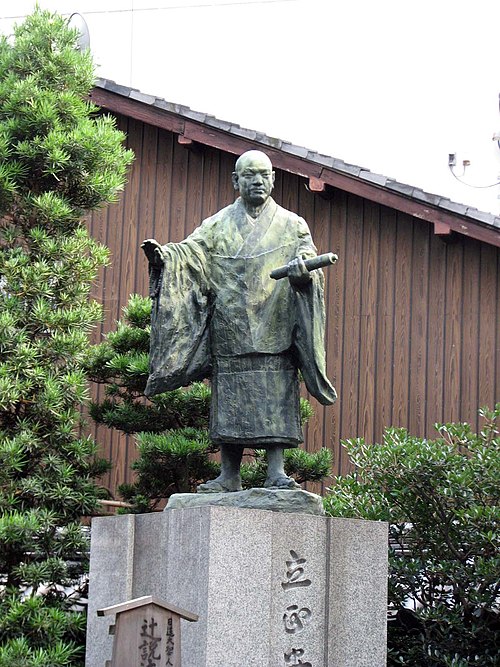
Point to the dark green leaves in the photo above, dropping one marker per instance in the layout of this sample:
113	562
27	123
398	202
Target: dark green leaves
442	500
58	160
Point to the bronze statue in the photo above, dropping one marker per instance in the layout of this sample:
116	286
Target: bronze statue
217	314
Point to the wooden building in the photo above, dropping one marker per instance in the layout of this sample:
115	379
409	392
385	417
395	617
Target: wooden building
412	304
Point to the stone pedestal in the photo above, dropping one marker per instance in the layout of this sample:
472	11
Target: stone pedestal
289	501
270	589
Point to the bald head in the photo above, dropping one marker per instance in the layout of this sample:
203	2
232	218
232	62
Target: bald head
252	157
254	178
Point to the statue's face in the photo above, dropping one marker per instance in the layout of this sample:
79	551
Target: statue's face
254	178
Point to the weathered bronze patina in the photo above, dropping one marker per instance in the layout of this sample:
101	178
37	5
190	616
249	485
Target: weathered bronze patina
218	314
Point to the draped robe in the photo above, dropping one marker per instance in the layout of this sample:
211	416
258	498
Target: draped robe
219	315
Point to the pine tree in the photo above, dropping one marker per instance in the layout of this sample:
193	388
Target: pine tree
171	428
59	158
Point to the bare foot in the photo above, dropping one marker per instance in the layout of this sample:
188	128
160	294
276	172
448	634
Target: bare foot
221	485
281	482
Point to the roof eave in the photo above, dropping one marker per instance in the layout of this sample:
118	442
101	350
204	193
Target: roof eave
191	126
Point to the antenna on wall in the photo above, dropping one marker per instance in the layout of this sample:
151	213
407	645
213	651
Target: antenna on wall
77	21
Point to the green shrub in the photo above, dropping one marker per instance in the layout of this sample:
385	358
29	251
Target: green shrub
442	501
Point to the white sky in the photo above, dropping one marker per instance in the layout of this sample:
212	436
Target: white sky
393	86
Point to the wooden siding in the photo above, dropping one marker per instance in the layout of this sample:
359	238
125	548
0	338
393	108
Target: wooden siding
412	335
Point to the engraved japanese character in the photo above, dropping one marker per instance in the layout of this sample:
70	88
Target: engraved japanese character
294	657
295	618
149	644
295	572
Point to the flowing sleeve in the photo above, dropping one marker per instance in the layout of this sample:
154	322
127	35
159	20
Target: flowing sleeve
306	247
180	346
309	332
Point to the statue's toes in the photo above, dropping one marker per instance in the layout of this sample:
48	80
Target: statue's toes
281	482
215	486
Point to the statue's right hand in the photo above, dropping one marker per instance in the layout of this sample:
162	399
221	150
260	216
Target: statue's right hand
298	275
152	251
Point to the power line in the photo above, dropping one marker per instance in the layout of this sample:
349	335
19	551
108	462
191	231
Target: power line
193	5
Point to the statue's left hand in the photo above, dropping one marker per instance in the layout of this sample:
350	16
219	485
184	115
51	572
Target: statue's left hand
151	249
298	275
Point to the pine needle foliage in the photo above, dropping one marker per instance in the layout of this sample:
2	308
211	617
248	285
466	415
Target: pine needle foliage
442	501
171	428
59	159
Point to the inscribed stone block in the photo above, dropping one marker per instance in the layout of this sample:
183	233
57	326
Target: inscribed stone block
298	599
271	589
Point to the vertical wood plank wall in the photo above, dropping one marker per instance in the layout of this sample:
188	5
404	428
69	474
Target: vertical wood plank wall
412	322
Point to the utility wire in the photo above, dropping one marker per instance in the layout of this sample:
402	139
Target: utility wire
194	4
469	185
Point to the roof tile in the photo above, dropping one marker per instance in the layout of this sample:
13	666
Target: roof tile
300	151
195	115
455	207
480	215
326	160
378	179
402	188
182	109
163	104
219	124
426	197
340	165
273	142
141	97
243	132
117	88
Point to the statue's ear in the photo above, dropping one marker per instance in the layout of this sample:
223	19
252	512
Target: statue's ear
234	178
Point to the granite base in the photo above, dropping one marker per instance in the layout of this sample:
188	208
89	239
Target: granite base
271	589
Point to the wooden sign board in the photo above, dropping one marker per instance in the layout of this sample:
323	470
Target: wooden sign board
147	633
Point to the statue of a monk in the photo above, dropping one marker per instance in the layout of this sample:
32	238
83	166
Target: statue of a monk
217	314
